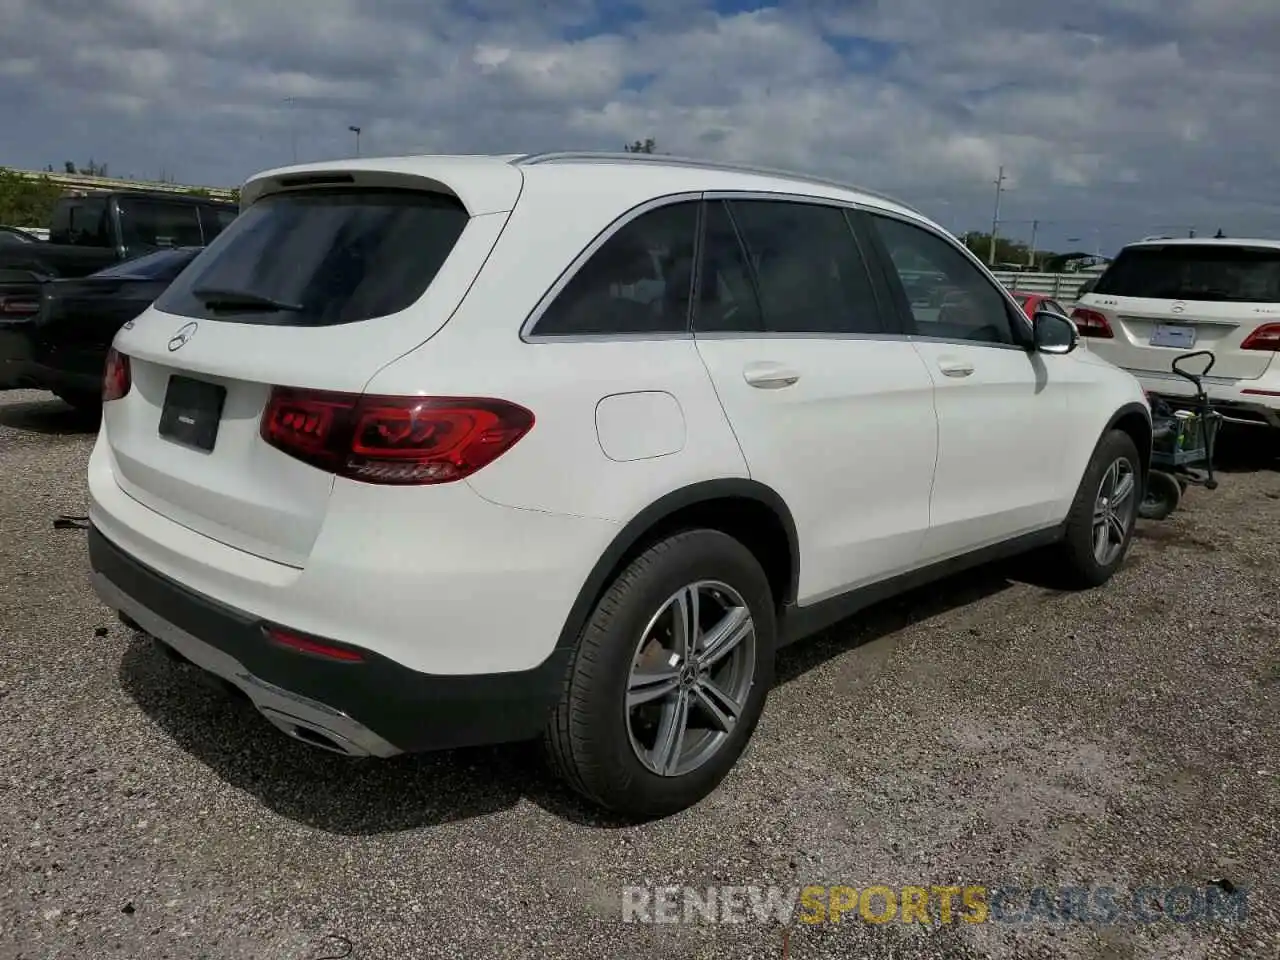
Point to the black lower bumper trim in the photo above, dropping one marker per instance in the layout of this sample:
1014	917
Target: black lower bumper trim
413	711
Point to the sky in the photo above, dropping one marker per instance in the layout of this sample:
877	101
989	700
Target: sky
1112	119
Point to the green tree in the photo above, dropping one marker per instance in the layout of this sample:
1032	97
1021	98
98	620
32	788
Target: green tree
26	201
641	146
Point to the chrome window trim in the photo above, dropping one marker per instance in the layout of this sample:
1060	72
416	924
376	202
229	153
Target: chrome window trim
624	219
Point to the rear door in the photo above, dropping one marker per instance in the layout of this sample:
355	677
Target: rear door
1000	407
313	288
831	406
1163	300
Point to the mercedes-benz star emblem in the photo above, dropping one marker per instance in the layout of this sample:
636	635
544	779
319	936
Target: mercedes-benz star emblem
1178	306
184	334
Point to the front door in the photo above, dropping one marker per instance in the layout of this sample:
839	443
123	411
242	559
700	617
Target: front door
1000	405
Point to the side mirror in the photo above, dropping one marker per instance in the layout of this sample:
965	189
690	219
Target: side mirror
1054	333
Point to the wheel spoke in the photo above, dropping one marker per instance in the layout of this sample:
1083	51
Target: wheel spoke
671	730
1115	529
1109	481
1124	490
649	685
721	708
1101	537
684	633
724	637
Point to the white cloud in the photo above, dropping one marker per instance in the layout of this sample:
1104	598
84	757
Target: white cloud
1120	116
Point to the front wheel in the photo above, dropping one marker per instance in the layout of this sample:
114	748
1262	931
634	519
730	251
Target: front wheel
1100	525
669	678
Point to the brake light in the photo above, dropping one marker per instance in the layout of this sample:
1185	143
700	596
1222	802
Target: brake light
392	440
116	379
18	307
317	648
1266	337
1091	323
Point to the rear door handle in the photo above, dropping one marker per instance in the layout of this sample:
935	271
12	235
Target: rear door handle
955	368
769	376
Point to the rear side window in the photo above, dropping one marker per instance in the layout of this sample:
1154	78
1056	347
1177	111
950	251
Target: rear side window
158	223
638	282
1184	271
809	273
81	223
214	220
320	258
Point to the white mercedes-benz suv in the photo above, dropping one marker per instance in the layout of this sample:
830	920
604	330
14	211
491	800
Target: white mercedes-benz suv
1162	298
434	451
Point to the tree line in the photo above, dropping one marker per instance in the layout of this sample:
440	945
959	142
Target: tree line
27	201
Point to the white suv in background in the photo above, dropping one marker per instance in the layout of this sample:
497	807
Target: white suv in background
434	451
1165	297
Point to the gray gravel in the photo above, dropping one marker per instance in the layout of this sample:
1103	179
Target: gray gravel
985	731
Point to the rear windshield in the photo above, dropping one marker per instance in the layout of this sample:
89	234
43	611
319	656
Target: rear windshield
1189	272
321	258
161	265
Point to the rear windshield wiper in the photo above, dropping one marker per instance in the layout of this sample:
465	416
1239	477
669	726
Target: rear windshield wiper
221	298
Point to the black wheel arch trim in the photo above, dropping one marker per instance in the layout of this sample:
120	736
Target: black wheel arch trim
651	516
1145	412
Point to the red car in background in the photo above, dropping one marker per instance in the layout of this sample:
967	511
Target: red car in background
1031	302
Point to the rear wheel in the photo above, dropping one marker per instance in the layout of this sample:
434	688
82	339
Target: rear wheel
669	678
1163	494
1100	525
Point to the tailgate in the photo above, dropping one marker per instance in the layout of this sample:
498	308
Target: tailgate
185	439
1150	334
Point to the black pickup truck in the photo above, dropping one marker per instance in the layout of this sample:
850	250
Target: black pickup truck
91	232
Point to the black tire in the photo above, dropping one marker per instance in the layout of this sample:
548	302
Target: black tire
588	737
1163	494
1074	558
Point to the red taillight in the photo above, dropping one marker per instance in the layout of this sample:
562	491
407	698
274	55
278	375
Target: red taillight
1091	323
392	440
18	307
116	379
1266	337
311	645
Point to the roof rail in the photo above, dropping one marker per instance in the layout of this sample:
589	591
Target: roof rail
588	156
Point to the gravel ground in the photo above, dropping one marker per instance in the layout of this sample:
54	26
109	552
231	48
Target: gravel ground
985	731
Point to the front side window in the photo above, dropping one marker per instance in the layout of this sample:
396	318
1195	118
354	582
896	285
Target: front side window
950	298
216	219
638	282
321	257
809	273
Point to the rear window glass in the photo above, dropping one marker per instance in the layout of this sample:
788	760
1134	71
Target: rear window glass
161	265
320	258
1189	272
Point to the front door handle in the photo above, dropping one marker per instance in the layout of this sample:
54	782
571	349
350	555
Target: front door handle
955	368
769	376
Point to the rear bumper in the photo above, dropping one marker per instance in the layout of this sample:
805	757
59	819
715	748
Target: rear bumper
1250	402
372	708
26	362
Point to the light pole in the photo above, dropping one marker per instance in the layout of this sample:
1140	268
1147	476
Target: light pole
995	218
292	102
356	131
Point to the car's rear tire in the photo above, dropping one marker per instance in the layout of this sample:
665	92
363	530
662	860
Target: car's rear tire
628	680
1163	494
1106	501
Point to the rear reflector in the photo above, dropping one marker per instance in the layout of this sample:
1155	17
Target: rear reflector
310	645
1266	337
116	378
1091	323
392	440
